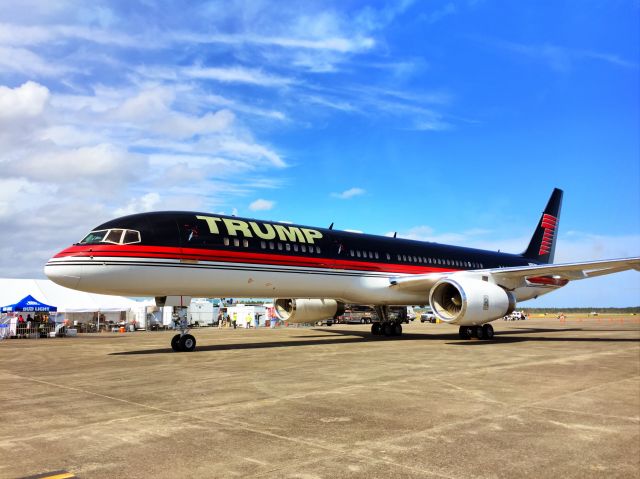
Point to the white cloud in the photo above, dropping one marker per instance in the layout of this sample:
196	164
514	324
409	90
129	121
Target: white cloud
104	162
237	74
27	100
22	35
262	205
350	193
338	44
557	57
146	202
23	61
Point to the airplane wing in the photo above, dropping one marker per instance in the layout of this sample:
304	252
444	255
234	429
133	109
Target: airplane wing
519	275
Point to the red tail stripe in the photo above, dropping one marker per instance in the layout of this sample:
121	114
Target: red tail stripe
550	218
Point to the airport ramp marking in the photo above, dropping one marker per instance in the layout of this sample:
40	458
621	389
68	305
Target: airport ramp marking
53	475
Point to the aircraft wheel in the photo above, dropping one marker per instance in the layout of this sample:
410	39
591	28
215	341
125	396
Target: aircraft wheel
376	329
487	329
175	343
464	332
388	329
397	329
187	343
479	332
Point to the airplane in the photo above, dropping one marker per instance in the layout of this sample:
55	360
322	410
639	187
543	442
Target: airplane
313	272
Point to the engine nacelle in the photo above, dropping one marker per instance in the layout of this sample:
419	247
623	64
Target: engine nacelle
469	302
307	310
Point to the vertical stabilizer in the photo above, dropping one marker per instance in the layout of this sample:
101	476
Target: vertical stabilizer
543	242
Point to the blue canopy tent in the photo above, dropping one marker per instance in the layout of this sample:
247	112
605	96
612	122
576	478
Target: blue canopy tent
29	304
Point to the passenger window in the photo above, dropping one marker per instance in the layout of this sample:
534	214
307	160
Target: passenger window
263	244
311	249
295	248
287	246
377	257
388	257
303	248
279	246
245	243
225	241
370	255
318	250
272	245
358	253
399	258
236	242
351	252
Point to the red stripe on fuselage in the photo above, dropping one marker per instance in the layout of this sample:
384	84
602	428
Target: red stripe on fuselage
163	252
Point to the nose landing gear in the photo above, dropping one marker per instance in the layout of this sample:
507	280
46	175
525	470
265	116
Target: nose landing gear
183	341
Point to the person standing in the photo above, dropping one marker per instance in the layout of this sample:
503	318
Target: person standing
248	321
256	320
21	326
220	320
235	319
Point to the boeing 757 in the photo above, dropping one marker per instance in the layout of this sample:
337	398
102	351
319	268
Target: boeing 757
313	272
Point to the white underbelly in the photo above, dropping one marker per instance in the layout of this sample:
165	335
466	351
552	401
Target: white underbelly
151	277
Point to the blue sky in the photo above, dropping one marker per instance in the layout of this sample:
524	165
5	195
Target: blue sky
448	121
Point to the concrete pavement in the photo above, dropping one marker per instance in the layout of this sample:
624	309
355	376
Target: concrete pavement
544	399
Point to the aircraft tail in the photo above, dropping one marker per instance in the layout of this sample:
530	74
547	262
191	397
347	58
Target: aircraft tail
542	246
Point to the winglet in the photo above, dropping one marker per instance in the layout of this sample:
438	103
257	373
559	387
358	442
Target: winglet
542	246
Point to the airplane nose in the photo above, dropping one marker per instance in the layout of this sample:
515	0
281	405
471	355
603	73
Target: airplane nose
66	276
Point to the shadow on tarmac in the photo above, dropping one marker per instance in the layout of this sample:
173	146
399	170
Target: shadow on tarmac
340	336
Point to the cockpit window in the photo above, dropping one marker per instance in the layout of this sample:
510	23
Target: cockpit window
131	236
94	237
112	236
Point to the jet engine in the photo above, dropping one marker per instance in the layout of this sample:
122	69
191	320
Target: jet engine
469	301
307	310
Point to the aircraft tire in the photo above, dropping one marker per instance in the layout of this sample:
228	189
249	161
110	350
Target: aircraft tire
376	329
187	343
175	343
388	329
464	333
479	332
488	331
397	329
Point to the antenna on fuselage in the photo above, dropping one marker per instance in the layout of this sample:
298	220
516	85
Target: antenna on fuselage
331	226
395	233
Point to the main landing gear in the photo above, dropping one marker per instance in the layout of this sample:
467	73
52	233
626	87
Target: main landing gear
183	341
385	326
481	332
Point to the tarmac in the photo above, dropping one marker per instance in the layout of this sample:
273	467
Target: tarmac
543	399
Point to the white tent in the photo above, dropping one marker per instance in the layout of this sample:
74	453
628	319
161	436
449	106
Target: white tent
69	301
